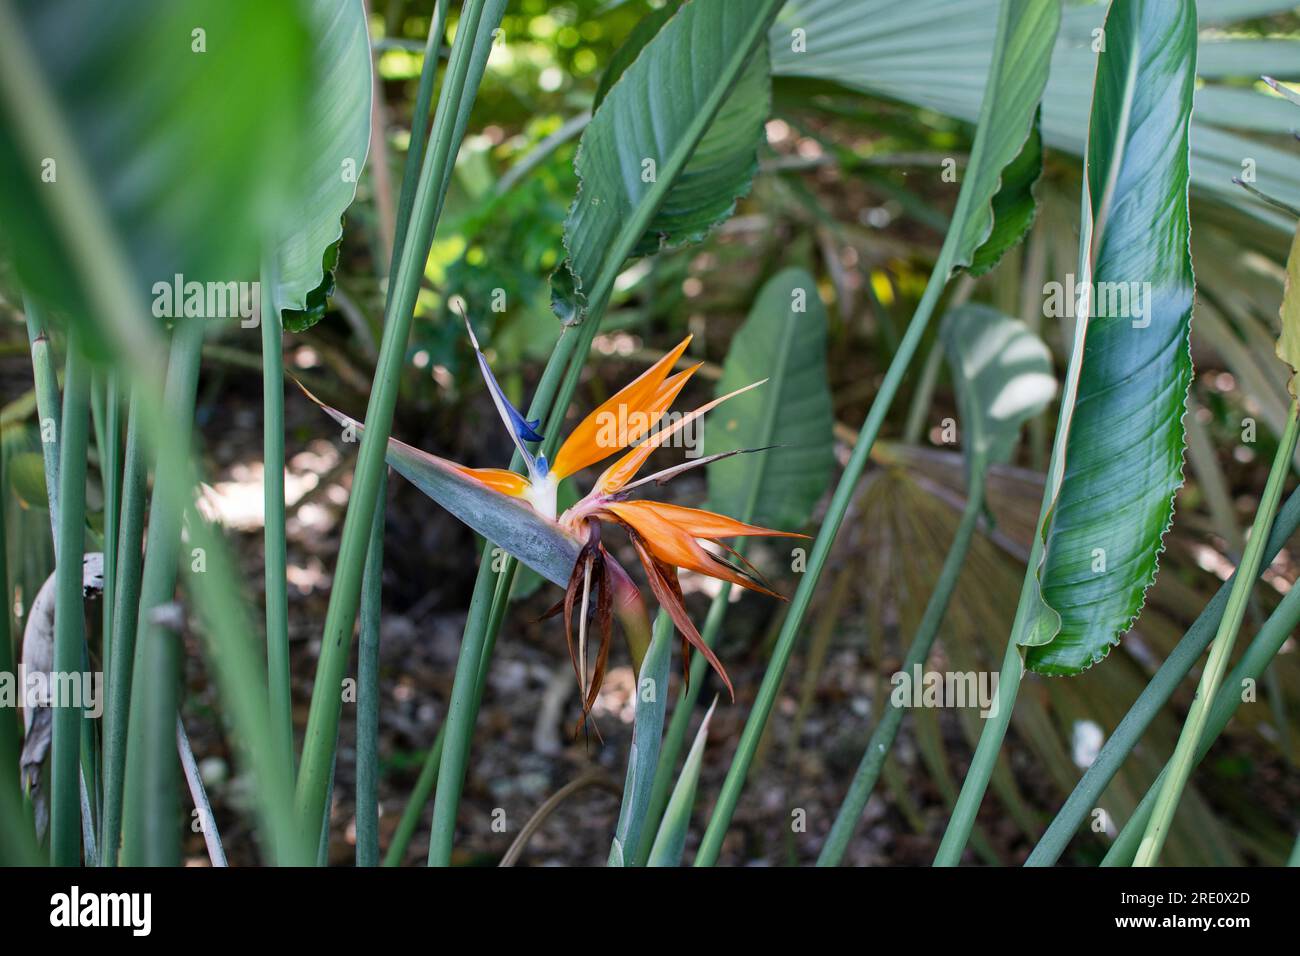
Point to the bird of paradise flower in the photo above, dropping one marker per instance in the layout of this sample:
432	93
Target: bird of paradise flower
517	512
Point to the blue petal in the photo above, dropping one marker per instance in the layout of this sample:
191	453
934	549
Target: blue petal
521	429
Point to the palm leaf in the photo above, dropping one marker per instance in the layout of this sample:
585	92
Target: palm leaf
936	54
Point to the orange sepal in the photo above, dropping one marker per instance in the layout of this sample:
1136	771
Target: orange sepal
676	545
636	408
704	524
499	479
624	470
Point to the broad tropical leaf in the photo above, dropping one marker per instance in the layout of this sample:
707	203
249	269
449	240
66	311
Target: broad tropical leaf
1120	437
193	160
671	147
338	137
330	160
1002	373
1014	206
783	341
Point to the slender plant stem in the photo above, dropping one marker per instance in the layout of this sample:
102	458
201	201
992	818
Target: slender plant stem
416	803
69	620
110	468
275	559
671	748
565	367
882	738
202	806
405	204
47	403
151	835
461	712
367	786
464	72
97	262
419	127
1149	703
725	807
126	597
10	790
1274	633
1180	768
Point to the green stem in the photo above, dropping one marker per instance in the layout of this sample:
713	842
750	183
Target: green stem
1275	632
367	786
151	836
882	738
10	789
1184	758
671	748
110	469
565	369
416	803
461	711
47	403
839	506
464	72
1149	703
194	780
69	621
126	598
97	263
279	692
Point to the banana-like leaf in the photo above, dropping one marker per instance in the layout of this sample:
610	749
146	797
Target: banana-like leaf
1002	373
1118	461
186	118
670	841
936	54
331	159
783	341
505	521
672	146
647	736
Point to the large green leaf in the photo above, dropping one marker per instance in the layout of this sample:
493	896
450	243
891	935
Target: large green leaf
783	341
672	146
936	53
186	119
330	160
1002	373
1118	460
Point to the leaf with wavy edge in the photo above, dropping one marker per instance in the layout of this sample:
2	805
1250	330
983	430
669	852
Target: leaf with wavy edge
1119	446
643	136
330	161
